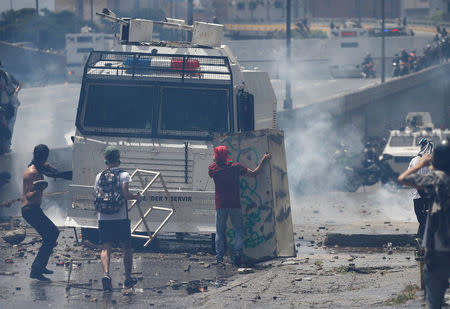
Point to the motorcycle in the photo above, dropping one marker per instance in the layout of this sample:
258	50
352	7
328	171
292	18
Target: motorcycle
368	70
395	68
370	173
404	68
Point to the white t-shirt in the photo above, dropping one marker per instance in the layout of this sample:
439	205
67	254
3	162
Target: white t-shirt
424	170
122	214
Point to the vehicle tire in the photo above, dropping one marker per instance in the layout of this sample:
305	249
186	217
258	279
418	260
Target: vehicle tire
351	186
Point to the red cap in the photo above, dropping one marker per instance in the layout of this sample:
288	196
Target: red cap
221	154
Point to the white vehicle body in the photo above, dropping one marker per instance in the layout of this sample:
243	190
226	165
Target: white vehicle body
403	145
162	106
78	47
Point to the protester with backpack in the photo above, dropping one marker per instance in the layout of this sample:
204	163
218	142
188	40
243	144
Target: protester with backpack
437	230
111	195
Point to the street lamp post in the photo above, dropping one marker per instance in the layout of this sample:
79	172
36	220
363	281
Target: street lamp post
383	55
37	7
288	98
190	16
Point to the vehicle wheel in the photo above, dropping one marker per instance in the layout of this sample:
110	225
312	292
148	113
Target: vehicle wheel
351	186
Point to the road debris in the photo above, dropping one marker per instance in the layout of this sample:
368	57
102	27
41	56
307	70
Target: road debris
247	270
15	237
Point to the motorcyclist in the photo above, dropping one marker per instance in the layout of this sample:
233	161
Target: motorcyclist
368	66
9	90
404	56
368	59
395	65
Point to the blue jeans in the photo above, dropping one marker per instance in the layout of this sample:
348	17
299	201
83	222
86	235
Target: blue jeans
436	275
221	225
48	231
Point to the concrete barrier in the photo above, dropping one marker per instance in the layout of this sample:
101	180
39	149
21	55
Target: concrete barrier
376	109
265	199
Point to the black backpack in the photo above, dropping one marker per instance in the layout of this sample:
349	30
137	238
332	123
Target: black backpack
109	197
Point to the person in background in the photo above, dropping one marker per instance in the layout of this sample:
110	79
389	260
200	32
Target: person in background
33	187
437	230
9	91
111	190
422	201
226	175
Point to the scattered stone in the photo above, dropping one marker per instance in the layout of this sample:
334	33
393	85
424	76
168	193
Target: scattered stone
93	299
15	237
245	270
408	258
384	257
127	292
207	265
390	252
159	292
195	287
8	273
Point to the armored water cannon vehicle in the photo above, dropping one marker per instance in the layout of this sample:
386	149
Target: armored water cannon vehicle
404	144
162	104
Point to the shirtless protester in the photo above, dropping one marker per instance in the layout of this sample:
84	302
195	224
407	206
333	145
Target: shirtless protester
33	187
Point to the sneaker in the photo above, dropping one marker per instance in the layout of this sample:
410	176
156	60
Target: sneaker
47	271
107	284
39	276
129	283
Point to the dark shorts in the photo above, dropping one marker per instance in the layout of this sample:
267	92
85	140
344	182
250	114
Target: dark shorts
114	231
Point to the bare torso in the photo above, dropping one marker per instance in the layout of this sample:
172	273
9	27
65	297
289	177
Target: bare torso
31	196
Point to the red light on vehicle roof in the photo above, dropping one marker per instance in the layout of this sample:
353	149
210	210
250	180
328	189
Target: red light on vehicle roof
394	30
189	64
349	33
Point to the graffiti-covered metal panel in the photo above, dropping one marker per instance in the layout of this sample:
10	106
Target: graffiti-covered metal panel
268	230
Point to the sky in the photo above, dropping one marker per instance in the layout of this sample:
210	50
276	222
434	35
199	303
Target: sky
20	4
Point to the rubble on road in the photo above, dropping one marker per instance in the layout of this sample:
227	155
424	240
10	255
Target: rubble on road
15	237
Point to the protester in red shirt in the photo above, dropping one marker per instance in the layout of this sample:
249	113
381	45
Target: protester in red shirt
226	179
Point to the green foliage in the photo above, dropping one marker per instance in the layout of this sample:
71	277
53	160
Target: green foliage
45	31
408	293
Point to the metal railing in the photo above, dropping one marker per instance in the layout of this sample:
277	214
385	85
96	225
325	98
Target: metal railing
130	65
145	187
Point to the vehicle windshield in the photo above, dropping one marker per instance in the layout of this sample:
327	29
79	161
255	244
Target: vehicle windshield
401	141
193	111
433	138
119	106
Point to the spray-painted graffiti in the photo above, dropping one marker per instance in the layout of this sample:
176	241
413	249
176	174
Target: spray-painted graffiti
251	202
